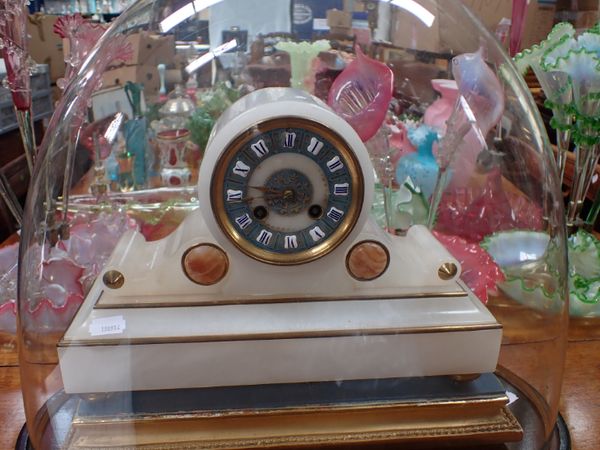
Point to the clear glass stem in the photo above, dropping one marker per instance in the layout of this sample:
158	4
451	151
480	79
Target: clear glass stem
379	151
25	121
585	162
436	197
592	216
448	147
388	205
563	142
589	175
70	161
10	199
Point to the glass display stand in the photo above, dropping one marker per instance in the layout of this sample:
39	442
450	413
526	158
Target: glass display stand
333	427
319	285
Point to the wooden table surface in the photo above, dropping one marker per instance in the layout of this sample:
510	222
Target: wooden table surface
580	403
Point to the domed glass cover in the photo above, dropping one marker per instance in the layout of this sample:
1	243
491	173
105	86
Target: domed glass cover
286	222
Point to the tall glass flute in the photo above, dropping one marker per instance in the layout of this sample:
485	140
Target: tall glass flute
592	216
587	154
586	158
555	84
559	97
586	94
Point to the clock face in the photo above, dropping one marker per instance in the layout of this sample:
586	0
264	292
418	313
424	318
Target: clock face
287	191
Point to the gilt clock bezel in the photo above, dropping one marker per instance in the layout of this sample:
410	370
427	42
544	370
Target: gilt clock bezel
331	242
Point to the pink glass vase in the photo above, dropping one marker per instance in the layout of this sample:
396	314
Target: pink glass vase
361	94
440	110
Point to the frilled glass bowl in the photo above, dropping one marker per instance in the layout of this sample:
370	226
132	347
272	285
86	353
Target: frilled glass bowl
145	304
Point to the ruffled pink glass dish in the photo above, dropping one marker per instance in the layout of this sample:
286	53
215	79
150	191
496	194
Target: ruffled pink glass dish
476	212
479	271
8	288
70	268
82	35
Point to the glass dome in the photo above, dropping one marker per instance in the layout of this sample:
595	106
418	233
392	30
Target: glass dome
293	223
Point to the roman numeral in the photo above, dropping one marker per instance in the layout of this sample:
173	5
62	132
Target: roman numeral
335	164
316	234
241	169
260	148
335	214
341	189
243	221
291	241
289	140
264	237
315	146
234	196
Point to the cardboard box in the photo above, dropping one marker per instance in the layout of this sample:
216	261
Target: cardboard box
151	50
354	5
148	50
45	46
339	19
445	34
341	31
146	75
408	32
539	17
490	12
538	23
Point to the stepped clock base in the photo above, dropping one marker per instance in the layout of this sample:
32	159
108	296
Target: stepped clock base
306	415
68	421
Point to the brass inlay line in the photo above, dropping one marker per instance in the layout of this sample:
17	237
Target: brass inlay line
253	301
276	336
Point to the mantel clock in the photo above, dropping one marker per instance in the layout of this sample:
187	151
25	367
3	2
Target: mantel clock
282	264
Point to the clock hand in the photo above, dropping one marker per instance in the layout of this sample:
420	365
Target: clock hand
249	199
267	197
285	194
265	189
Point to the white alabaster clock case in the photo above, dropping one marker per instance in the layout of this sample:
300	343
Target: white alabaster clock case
279	266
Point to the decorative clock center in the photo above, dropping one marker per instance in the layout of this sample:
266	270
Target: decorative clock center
288	192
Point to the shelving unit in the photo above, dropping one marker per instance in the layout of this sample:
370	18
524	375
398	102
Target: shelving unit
12	161
104	7
41	95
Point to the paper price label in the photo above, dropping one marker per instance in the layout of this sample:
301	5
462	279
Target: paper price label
107	325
